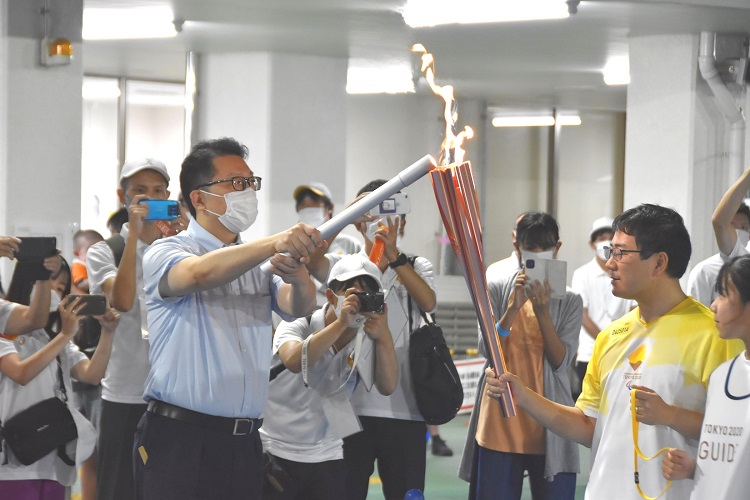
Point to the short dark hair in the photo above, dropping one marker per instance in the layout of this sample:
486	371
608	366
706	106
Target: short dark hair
737	270
198	166
595	235
117	219
657	229
744	210
537	230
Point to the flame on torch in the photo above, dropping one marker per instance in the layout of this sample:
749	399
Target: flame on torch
451	150
458	203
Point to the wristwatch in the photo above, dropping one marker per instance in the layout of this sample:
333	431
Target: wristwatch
400	261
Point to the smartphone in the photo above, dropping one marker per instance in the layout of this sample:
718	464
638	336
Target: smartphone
554	271
162	209
31	254
396	204
36	248
370	302
89	305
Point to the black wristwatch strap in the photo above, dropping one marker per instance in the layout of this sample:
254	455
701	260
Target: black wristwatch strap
400	261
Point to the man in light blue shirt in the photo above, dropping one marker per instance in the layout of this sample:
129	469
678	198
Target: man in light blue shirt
209	313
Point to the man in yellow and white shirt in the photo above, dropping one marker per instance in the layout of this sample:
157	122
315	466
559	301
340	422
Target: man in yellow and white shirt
666	348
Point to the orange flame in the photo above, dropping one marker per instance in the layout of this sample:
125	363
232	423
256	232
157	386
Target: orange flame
452	152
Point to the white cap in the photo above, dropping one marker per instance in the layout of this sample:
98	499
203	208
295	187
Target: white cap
132	167
351	266
316	187
601	223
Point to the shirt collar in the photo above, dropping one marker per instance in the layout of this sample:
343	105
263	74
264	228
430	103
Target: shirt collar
206	239
599	270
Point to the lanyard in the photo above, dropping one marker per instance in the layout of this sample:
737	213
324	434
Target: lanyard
637	451
726	383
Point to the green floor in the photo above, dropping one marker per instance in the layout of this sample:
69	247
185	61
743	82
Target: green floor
441	481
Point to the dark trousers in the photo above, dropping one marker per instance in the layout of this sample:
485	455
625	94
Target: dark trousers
500	477
399	446
114	466
309	481
177	460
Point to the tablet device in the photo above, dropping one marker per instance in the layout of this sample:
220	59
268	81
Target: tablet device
31	254
553	271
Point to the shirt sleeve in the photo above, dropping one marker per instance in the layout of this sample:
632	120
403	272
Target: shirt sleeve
569	328
100	264
289	331
78	272
72	355
158	259
6	308
6	347
425	270
591	393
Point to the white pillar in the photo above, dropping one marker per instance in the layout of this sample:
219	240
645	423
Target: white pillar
290	111
675	136
40	126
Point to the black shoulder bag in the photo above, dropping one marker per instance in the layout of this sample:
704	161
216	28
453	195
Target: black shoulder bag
437	386
41	428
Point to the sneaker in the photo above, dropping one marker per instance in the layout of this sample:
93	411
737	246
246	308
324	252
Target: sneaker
440	448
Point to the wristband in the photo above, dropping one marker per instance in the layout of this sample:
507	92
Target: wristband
500	331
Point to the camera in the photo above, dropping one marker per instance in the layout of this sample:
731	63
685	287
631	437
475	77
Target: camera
530	264
397	204
370	301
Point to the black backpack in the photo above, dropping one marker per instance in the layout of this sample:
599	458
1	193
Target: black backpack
437	386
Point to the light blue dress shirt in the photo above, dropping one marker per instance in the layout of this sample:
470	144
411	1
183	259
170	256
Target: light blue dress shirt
210	350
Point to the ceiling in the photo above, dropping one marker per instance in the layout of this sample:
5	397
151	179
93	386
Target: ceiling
542	63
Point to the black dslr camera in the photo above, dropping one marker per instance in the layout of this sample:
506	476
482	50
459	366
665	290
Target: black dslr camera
370	301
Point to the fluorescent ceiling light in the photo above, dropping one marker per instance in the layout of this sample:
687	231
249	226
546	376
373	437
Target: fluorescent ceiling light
426	13
125	23
366	77
617	71
534	121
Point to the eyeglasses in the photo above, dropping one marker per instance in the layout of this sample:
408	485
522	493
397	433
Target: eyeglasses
616	253
238	183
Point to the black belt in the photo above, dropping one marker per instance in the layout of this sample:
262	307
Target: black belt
236	426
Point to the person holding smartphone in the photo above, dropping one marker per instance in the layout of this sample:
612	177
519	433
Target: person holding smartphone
539	339
115	270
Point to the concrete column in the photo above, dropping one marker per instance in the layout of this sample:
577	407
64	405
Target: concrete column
675	136
290	111
40	126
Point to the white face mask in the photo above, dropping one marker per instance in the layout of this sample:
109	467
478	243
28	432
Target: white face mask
526	255
743	236
242	209
600	248
313	216
354	323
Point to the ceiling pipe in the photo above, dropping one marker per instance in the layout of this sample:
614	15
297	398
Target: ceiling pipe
726	103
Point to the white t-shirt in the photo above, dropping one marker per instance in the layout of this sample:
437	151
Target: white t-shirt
296	427
15	397
402	403
702	279
128	363
723	460
592	283
345	244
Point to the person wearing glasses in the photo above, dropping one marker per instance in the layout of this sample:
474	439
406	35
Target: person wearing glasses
209	311
115	269
600	307
539	339
664	350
